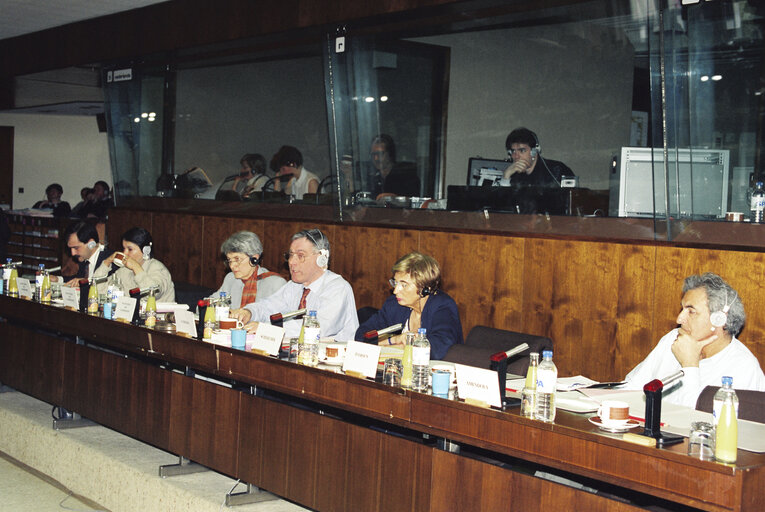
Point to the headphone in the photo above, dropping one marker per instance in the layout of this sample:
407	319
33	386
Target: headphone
426	291
537	148
146	250
91	245
720	318
323	259
254	262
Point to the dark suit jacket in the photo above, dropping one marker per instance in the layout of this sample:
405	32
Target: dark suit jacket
82	271
440	317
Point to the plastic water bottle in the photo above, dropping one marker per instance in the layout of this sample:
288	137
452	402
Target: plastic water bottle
757	204
420	362
547	380
7	274
719	399
308	352
726	433
529	393
222	307
38	282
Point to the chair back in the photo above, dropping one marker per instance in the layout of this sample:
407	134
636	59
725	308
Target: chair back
483	341
751	404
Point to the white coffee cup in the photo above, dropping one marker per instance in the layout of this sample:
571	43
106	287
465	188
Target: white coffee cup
231	323
614	413
334	351
119	259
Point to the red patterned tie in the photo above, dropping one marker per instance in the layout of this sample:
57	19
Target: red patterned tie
302	299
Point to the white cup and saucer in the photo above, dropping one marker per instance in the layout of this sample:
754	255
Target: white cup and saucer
614	416
119	259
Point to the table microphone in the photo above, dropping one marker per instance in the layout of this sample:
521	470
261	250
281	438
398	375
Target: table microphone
653	391
279	318
372	336
499	356
54	269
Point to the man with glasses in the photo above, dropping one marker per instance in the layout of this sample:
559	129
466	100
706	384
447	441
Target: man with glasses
248	280
311	286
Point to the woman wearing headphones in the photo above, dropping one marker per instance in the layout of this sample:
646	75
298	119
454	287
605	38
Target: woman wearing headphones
248	281
137	268
418	302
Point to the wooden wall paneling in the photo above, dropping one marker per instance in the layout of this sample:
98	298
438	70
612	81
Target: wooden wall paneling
744	271
126	219
472	272
204	419
364	257
252	436
214	233
363	467
177	245
302	456
333	460
405	482
276	428
31	361
574	297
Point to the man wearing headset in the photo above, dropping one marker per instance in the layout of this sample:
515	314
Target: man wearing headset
82	242
528	167
311	286
704	346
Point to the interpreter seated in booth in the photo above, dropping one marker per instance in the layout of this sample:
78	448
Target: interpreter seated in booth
312	286
137	267
288	163
248	280
704	345
417	301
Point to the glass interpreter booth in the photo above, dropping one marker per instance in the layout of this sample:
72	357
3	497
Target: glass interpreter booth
655	106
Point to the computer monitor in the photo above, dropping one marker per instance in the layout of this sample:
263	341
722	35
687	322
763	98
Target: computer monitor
698	182
483	172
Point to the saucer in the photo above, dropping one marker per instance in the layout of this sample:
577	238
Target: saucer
595	420
333	361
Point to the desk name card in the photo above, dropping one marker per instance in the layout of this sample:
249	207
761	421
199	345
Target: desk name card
361	358
25	289
124	309
184	323
268	339
71	297
478	385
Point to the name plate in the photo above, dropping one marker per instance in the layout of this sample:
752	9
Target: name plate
268	339
124	309
184	323
25	289
478	386
71	297
361	358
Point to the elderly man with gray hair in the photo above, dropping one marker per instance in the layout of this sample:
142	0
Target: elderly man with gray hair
704	345
313	286
248	281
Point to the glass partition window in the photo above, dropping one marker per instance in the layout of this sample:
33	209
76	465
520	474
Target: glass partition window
639	108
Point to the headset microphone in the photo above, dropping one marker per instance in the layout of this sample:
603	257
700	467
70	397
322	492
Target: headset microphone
426	291
254	262
720	318
92	245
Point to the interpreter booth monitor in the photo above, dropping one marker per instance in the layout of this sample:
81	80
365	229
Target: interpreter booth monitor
484	172
698	182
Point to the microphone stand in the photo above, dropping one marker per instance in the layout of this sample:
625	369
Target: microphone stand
270	181
278	319
374	336
653	391
326	179
499	364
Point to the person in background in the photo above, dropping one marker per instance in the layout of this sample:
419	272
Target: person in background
99	204
140	269
288	162
248	281
83	243
53	192
528	168
417	301
704	346
86	194
252	175
312	286
386	177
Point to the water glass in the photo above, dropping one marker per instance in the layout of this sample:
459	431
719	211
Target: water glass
392	372
701	441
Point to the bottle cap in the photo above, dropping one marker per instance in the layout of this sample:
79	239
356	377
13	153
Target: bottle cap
422	330
547	353
727	381
312	312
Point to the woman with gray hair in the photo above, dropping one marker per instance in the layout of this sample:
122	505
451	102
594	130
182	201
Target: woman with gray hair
248	281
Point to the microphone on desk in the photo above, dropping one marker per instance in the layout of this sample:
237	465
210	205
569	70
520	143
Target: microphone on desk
279	318
137	293
284	178
653	391
372	336
54	269
499	364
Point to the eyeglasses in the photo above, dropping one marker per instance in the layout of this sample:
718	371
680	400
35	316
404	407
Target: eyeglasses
510	152
404	284
378	154
300	256
235	261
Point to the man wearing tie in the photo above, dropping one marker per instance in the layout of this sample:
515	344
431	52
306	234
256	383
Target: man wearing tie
311	286
82	241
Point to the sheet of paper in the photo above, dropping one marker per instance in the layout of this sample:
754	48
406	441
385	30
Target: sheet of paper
572	383
361	358
268	338
478	384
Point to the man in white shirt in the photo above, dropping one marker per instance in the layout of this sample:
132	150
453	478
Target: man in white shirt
704	346
312	286
82	242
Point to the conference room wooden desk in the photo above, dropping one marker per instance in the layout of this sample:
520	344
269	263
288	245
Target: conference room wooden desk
334	442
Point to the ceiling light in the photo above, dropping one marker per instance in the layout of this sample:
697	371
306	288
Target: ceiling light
704	78
383	98
716	78
369	99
